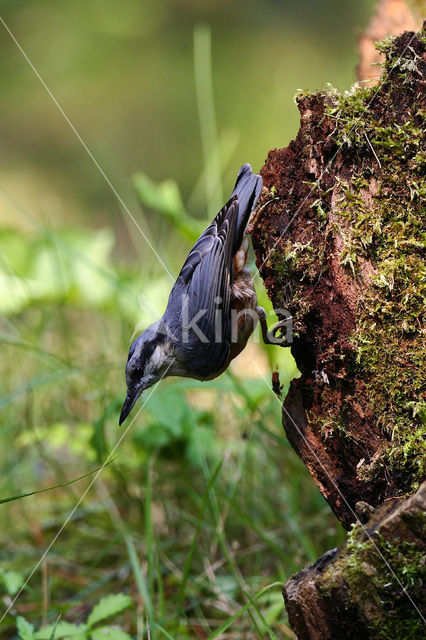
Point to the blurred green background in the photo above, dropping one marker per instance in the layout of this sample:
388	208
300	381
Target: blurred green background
206	504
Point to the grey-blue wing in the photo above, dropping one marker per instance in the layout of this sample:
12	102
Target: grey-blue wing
198	312
248	187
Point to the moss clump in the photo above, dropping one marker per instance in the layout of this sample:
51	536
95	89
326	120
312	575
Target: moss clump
341	247
295	254
382	221
377	574
284	261
348	109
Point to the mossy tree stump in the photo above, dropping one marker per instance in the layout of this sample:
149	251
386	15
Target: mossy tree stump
339	244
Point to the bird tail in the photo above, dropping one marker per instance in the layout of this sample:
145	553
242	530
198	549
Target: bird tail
247	187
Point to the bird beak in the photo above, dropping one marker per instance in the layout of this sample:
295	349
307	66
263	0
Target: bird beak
132	396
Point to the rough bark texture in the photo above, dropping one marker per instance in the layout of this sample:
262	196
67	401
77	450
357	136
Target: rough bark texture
357	592
338	243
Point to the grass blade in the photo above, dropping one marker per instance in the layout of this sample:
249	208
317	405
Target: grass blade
223	627
190	554
56	486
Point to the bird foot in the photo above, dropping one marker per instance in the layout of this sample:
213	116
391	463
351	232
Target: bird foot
270	337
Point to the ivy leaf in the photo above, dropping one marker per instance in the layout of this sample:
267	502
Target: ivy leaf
108	606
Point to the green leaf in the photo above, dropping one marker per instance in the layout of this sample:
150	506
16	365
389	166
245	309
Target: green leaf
14	293
12	581
25	629
63	630
164	198
52	635
109	633
169	409
108	606
273	604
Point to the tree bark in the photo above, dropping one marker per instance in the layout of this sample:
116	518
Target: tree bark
338	242
357	592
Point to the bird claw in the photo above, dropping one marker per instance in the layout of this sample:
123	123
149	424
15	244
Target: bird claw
279	327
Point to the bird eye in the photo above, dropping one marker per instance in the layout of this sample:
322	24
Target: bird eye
138	373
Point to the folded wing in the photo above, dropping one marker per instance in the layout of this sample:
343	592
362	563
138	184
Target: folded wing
203	292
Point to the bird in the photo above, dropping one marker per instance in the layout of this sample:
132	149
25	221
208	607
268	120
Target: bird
212	308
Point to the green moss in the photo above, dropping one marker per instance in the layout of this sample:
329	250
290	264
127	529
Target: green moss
374	215
348	110
373	220
388	339
377	573
284	261
405	64
381	222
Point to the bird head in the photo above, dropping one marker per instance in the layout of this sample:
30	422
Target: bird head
146	365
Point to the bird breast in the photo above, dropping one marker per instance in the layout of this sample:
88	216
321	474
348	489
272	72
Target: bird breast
243	302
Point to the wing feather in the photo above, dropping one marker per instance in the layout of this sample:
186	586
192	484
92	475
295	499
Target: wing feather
204	284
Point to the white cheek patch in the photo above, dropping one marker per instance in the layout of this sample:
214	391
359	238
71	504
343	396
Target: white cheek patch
137	352
156	360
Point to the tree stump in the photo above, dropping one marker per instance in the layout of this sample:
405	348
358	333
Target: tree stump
338	242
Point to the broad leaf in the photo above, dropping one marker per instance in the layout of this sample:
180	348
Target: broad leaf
63	630
109	633
25	629
12	581
108	606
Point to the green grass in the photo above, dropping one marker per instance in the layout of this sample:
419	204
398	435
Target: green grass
205	509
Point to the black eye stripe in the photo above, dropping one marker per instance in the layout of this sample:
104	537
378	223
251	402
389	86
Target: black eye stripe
141	352
147	350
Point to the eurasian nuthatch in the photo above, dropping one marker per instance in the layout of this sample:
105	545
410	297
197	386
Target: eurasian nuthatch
212	308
